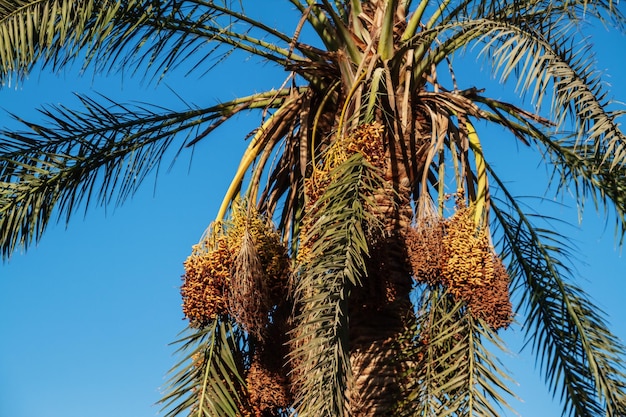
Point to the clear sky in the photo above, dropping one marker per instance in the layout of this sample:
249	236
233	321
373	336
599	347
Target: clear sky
87	315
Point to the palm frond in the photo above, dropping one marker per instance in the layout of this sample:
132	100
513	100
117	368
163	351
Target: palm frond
435	348
55	31
97	155
548	55
537	11
130	34
209	380
579	12
386	43
189	33
578	354
336	261
541	54
574	171
455	373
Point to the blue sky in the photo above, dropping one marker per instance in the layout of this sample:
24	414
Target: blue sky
87	315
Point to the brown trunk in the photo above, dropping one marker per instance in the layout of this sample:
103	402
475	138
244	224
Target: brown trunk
377	321
380	309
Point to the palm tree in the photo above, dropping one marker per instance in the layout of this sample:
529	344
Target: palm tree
366	253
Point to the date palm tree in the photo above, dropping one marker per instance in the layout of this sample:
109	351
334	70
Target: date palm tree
366	254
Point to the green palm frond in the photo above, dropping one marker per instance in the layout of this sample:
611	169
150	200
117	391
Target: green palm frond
486	382
577	11
209	380
190	33
130	34
536	11
338	248
97	155
577	352
55	31
455	373
574	171
578	92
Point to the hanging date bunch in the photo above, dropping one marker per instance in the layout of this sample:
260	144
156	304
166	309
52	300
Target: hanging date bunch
473	271
458	254
207	274
260	269
366	139
238	269
267	384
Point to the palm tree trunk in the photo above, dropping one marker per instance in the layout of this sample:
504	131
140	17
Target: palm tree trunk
379	311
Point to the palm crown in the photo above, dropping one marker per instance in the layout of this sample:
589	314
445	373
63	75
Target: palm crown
362	259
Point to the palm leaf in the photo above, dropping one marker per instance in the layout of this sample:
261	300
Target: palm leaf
129	34
98	155
455	374
208	381
188	33
55	31
578	354
576	171
336	262
578	92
